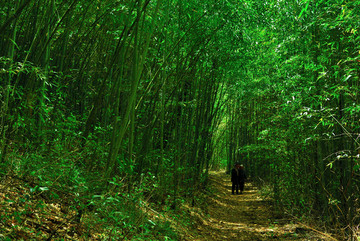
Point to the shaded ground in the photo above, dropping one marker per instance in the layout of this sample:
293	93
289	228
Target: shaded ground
247	217
26	213
29	212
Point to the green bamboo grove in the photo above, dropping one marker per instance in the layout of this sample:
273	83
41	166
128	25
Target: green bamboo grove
98	96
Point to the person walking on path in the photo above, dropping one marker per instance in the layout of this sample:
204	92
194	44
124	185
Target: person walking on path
235	178
242	178
238	178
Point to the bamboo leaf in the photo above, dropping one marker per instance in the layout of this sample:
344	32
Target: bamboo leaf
304	9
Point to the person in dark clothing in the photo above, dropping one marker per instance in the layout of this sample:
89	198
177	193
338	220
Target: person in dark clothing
242	178
235	178
238	178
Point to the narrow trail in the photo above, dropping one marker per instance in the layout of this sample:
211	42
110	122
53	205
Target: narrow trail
248	217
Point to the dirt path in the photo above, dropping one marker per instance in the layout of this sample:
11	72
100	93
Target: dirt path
248	217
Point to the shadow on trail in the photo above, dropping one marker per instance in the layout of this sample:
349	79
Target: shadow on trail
245	216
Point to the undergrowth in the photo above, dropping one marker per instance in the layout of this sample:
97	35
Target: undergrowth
46	197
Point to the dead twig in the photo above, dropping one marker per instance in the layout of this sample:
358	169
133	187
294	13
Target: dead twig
317	231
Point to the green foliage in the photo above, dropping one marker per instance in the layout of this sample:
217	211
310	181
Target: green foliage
294	120
146	96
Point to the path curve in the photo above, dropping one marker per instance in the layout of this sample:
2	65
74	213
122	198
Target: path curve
247	217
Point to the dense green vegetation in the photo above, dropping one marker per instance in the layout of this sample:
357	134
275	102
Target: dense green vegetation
110	103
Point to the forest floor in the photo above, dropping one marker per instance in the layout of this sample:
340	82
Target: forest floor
247	216
26	213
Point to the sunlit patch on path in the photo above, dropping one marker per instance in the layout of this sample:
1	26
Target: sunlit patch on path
247	216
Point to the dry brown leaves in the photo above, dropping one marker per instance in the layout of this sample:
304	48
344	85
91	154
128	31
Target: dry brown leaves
246	217
27	213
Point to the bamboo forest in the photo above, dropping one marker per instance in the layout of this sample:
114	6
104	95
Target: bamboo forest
128	119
